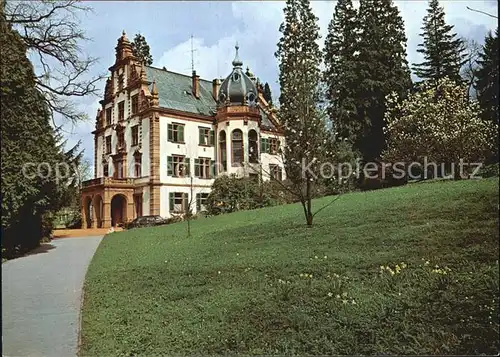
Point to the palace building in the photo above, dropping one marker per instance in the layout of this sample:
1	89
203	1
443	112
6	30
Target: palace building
161	135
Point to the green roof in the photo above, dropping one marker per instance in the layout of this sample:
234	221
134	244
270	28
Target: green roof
266	123
175	91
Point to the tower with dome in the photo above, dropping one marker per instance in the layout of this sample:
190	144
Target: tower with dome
160	135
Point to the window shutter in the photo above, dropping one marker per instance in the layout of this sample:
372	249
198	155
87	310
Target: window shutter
264	149
170	166
201	136
212	168
185	202
280	173
180	133
212	137
198	202
170	133
187	165
196	167
171	199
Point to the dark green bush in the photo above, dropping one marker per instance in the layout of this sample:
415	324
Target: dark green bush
231	194
488	171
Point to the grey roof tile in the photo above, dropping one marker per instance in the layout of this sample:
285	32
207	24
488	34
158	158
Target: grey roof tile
175	92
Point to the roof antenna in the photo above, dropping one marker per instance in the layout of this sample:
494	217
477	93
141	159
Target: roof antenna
192	54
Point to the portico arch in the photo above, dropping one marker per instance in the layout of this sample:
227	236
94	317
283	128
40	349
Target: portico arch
118	209
98	210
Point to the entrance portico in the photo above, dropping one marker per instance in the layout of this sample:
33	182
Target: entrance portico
107	202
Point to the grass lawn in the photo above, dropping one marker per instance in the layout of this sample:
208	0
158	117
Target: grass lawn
261	282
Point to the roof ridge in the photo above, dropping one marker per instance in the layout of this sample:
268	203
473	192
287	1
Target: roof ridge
180	74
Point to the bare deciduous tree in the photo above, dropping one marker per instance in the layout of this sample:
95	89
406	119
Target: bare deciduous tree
472	50
53	36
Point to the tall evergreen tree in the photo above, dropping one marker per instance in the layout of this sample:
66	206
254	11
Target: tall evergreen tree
487	78
299	59
267	93
382	69
30	188
339	75
443	51
140	48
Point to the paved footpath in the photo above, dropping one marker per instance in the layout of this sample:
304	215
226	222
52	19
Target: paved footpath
41	297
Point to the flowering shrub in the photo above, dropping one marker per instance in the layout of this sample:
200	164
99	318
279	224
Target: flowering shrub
439	123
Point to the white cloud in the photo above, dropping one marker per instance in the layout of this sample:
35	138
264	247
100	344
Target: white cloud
255	25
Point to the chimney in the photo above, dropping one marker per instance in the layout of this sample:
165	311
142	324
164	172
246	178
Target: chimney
196	85
215	88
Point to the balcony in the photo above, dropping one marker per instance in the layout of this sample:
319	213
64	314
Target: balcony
108	181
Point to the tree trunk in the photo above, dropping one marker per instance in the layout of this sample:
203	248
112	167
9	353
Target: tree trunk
309	216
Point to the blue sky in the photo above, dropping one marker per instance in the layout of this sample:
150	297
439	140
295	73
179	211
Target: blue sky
217	25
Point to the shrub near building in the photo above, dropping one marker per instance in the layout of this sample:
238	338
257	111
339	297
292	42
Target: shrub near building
231	194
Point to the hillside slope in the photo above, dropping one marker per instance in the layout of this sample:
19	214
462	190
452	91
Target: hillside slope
260	282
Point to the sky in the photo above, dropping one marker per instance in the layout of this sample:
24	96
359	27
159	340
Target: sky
216	26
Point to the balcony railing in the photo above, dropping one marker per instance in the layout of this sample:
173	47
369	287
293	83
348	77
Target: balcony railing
108	181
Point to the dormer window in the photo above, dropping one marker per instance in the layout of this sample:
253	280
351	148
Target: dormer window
251	98
236	77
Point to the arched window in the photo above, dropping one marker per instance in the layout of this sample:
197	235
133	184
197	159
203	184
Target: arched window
253	146
222	150
237	147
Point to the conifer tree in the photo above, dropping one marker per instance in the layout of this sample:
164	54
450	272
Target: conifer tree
29	148
339	76
140	48
443	51
299	58
267	93
381	68
487	78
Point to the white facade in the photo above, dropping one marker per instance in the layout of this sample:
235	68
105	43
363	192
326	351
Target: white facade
158	189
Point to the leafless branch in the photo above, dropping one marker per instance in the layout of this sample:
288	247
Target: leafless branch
482	12
52	34
472	49
327	205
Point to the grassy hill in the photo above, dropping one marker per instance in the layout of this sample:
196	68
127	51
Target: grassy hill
408	270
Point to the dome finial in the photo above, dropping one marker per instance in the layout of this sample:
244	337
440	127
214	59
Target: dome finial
237	62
